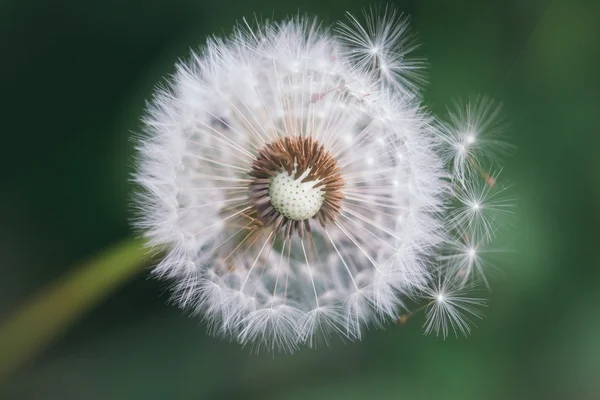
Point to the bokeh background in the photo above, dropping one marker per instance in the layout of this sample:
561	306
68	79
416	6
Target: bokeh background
74	76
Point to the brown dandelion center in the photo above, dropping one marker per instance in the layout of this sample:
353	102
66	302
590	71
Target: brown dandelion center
295	179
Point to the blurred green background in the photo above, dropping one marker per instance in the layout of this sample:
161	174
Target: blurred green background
74	76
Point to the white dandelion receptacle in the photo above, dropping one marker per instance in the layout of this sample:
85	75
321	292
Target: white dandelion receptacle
301	190
293	198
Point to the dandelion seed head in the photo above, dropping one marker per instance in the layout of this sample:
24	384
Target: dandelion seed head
299	188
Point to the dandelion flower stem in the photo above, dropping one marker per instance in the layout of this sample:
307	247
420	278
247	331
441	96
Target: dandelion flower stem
44	318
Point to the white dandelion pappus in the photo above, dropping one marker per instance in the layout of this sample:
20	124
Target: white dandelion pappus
473	135
465	258
382	45
298	191
481	207
450	308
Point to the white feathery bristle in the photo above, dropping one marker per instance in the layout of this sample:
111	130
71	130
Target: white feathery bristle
472	135
450	308
482	207
301	192
383	46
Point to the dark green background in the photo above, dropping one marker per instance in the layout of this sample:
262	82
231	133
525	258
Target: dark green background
73	79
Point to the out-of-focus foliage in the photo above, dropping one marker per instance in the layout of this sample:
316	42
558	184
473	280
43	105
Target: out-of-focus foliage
74	77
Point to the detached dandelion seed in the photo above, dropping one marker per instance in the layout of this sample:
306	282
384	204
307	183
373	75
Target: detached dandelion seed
451	309
299	187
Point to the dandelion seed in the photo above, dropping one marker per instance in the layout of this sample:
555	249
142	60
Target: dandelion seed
482	208
473	135
450	308
382	45
297	185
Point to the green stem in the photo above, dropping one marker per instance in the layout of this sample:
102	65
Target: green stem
41	321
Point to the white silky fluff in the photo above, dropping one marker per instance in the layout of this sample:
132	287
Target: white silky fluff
202	132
